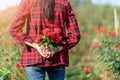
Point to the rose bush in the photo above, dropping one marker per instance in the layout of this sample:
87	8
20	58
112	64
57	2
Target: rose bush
107	50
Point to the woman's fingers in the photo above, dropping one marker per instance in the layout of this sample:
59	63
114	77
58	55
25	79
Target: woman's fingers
43	50
28	44
34	45
48	55
40	50
46	51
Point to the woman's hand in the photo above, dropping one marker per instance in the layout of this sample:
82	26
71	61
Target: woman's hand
59	48
44	51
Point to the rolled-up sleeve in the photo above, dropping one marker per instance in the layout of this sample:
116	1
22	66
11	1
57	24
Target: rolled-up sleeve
73	35
16	27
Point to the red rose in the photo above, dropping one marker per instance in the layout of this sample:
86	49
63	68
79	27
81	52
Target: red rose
53	36
17	65
85	34
99	46
59	40
57	31
74	50
112	33
118	46
101	29
89	70
47	31
85	69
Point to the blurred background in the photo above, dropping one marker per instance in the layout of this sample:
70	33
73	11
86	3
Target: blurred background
94	18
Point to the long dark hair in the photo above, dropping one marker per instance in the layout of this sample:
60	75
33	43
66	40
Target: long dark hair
48	7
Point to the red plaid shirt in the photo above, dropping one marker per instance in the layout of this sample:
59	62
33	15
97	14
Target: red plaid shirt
31	11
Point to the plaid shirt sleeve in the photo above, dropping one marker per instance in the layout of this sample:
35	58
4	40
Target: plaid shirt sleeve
73	35
18	22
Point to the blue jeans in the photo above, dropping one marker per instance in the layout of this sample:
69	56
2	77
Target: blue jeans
38	73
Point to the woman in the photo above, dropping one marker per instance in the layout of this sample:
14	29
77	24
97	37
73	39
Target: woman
42	14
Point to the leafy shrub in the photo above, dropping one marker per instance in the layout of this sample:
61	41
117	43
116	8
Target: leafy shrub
107	51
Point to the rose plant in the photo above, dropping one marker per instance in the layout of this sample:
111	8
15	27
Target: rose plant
107	64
